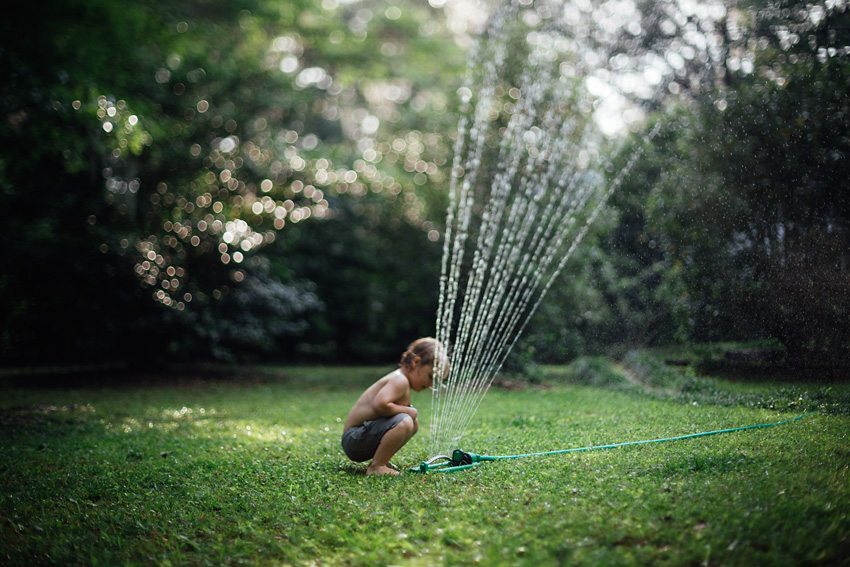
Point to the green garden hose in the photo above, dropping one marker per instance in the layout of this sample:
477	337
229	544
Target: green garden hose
463	460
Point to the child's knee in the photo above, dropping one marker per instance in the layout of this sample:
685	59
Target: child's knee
409	425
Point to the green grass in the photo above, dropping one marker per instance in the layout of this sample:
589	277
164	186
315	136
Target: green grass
251	473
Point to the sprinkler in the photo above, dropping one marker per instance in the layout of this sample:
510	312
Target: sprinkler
460	460
463	458
431	464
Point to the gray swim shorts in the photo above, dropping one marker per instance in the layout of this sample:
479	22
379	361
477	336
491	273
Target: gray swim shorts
361	441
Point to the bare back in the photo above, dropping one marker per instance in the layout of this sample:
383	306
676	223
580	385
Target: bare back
394	387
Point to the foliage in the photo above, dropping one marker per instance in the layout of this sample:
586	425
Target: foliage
655	373
744	211
619	289
597	371
378	281
731	226
683	384
171	144
266	178
235	473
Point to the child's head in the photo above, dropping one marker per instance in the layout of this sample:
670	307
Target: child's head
422	350
426	352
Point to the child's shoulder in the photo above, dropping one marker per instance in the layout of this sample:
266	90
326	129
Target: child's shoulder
396	378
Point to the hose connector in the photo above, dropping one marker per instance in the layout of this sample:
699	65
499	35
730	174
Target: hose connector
460	458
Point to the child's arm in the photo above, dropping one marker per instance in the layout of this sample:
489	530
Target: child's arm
386	401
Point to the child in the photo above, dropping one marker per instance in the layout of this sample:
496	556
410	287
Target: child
382	420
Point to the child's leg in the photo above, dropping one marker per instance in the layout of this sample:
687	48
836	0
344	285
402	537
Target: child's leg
391	442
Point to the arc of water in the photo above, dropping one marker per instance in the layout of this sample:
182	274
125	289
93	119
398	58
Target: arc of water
495	292
528	219
516	293
521	293
473	304
508	275
553	276
460	203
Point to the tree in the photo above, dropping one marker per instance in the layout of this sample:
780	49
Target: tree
170	144
750	204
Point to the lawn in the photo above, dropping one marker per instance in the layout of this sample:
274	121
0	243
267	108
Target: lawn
249	472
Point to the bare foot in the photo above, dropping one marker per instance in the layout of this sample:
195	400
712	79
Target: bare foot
381	470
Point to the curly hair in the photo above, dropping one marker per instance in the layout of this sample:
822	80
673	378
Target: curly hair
422	350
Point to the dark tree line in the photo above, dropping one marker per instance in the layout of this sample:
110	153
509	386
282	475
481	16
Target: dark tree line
165	169
265	179
734	225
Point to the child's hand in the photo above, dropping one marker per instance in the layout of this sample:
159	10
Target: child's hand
412	412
